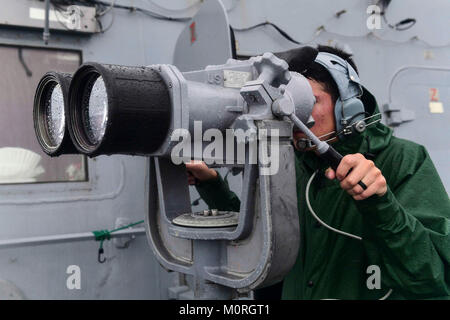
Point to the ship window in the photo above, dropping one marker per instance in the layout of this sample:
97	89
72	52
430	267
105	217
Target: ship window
21	158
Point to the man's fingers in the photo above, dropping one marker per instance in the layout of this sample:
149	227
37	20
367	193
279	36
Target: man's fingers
368	180
357	174
355	168
378	187
196	165
366	193
330	174
347	163
200	170
196	168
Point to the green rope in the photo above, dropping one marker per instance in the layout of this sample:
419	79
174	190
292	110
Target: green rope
102	235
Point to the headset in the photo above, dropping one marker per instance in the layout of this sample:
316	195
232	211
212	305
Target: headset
349	110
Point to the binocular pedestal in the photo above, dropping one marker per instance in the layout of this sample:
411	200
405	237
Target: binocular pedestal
255	247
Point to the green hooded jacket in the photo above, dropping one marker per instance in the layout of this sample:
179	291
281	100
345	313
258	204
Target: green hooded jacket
405	233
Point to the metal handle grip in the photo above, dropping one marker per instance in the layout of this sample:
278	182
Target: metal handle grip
334	159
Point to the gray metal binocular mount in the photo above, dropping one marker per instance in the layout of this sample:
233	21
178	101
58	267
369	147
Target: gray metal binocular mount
226	252
111	109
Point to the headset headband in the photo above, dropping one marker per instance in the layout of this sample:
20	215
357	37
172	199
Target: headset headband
346	78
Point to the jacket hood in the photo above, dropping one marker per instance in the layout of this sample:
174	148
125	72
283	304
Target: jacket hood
370	142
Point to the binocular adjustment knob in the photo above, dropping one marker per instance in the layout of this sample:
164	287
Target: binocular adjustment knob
273	69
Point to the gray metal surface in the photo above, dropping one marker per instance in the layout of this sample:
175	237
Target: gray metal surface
205	40
410	89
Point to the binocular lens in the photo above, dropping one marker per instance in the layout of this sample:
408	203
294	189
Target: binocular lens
49	114
55	116
95	110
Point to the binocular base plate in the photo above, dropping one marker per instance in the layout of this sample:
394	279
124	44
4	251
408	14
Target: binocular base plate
207	219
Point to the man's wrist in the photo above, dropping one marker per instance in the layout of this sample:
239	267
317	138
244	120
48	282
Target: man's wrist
379	210
213	176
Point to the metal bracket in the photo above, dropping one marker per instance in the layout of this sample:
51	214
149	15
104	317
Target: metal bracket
396	115
123	242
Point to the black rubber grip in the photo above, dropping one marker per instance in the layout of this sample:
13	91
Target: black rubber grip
334	158
138	104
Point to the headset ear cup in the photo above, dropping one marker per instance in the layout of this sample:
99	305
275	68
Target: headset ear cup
338	115
351	111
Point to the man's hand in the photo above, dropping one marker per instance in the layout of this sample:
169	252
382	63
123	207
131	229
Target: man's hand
199	171
362	170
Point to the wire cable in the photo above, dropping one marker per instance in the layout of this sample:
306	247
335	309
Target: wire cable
322	28
192	6
103	30
103	13
111	7
281	31
108	7
308	185
409	22
142	10
386	295
402	25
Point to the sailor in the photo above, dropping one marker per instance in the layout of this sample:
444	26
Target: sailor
390	239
